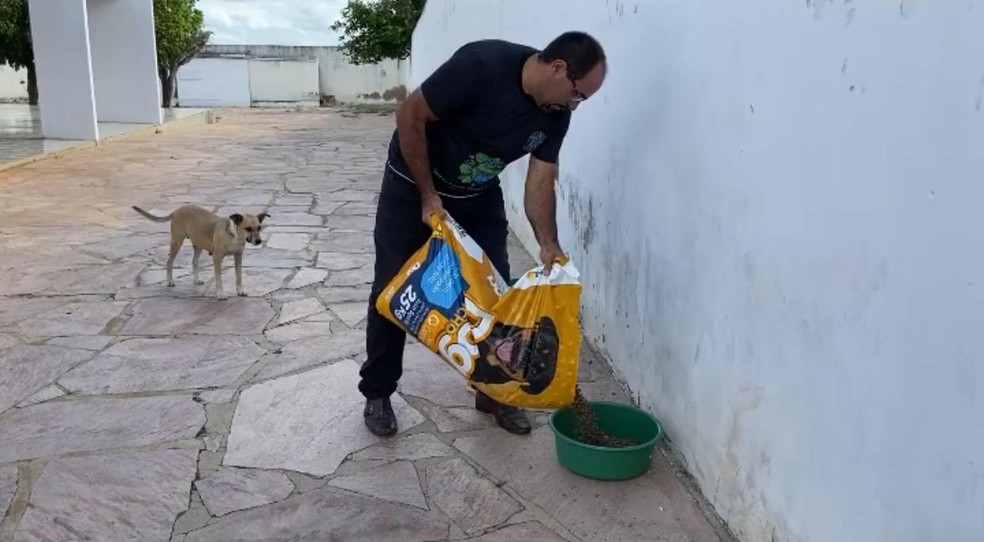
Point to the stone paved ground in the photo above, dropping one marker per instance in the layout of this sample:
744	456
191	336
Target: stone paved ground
132	411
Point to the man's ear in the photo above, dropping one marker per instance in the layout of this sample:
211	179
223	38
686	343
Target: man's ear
262	216
236	218
558	66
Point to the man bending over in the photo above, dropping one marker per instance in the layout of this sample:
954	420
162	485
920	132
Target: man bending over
491	103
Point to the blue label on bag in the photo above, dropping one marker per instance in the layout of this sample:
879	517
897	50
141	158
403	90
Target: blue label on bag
441	279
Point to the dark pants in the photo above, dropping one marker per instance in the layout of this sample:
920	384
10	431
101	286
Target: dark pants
399	232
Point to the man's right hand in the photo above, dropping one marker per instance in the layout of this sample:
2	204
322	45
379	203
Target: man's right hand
431	203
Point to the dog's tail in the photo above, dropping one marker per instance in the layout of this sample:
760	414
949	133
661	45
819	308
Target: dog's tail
149	216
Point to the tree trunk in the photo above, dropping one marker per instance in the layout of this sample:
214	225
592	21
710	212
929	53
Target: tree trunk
165	88
168	78
32	85
174	85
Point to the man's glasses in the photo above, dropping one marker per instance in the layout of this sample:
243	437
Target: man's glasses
577	95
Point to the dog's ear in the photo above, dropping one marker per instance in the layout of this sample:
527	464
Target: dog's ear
236	218
262	216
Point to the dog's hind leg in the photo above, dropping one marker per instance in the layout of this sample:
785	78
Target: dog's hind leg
194	266
176	243
238	258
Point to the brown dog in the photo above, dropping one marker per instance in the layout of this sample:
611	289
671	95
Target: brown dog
214	234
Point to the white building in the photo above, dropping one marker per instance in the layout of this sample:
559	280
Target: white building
96	61
776	210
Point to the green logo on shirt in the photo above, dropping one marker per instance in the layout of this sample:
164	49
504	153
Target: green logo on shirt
479	169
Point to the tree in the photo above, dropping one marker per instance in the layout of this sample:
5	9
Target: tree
376	30
178	26
15	43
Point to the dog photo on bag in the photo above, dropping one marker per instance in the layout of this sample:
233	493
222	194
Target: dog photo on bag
518	354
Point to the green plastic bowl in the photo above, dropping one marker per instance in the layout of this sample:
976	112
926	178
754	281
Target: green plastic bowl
601	462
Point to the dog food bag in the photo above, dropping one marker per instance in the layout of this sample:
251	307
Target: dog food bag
519	345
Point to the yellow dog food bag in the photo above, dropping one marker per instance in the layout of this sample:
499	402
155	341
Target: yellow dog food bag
519	345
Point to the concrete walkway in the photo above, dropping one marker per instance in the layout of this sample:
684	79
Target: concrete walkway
133	411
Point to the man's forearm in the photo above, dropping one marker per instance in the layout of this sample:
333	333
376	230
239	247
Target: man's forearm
413	145
541	205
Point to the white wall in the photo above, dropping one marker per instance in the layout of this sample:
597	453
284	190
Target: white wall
13	83
775	207
238	82
349	83
214	82
124	61
279	81
59	33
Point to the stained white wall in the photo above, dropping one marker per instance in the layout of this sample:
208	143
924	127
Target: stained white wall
124	61
365	83
776	209
214	82
60	36
280	81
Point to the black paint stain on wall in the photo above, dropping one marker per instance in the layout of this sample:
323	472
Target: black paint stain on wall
582	214
397	93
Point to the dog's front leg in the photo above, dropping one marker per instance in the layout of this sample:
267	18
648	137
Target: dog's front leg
238	259
194	267
217	264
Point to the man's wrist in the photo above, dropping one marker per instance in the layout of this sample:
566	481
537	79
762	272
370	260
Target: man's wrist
425	186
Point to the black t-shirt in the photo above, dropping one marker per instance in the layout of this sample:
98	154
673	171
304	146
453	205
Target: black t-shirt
485	120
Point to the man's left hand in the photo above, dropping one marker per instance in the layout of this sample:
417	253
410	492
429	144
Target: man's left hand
550	254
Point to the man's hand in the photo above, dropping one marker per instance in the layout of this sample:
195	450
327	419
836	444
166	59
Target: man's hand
430	204
550	254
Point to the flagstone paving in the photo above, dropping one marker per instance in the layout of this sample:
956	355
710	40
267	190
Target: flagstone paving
130	410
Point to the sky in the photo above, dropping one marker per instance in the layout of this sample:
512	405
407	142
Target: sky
272	22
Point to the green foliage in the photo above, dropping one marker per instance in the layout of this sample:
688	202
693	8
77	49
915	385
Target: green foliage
15	34
15	43
178	26
376	30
